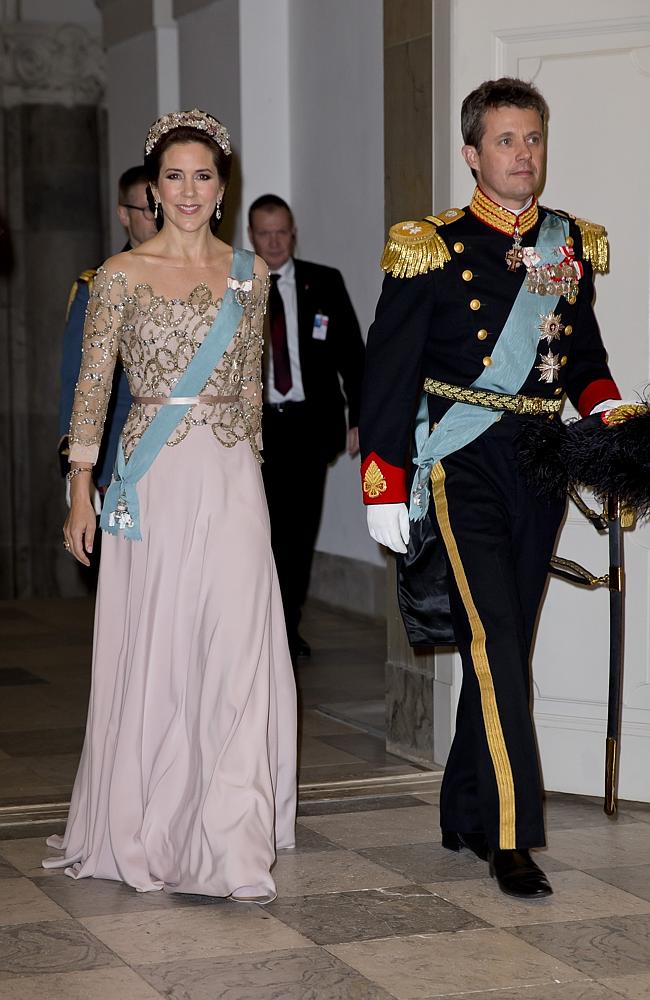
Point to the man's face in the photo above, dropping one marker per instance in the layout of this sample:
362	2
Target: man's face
510	162
273	235
136	216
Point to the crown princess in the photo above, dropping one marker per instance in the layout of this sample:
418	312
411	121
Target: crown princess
195	118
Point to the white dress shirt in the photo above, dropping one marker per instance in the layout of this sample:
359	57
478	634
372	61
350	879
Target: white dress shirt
287	290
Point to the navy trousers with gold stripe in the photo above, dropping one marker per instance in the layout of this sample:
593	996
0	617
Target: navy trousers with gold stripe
498	538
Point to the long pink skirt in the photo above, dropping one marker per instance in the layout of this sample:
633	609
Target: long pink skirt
187	779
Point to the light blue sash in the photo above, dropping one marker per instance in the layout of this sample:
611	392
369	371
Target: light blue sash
512	360
121	510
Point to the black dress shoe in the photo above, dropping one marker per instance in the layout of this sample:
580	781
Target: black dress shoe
475	842
518	875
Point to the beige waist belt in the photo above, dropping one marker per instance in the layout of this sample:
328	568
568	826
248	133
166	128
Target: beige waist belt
526	405
182	400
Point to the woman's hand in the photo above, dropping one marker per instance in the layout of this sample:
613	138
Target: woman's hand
81	522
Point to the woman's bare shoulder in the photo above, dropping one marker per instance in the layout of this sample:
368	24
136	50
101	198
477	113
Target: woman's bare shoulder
119	263
261	268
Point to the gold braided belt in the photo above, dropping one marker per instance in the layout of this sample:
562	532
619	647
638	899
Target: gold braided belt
523	405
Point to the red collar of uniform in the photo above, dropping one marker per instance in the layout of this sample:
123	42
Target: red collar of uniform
502	219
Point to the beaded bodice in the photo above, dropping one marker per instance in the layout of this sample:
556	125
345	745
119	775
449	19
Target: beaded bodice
156	337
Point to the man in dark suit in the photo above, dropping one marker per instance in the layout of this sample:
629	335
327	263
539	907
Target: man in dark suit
313	365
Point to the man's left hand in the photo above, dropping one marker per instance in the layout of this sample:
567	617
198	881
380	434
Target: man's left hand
617	411
353	442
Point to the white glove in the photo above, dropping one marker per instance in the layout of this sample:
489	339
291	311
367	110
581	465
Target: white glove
388	524
610	404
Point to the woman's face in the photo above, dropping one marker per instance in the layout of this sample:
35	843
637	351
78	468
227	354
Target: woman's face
189	186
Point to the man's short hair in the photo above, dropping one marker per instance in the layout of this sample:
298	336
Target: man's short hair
497	94
268	202
130	177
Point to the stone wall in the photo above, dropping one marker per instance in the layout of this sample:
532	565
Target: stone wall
51	164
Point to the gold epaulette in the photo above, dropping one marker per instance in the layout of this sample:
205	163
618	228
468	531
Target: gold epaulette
444	219
595	245
413	248
85	276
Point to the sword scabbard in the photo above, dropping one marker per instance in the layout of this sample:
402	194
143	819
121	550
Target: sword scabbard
611	764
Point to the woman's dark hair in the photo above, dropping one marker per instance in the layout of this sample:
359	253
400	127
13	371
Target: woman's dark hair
153	163
508	91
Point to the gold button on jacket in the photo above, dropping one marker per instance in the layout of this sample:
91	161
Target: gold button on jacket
487	361
459	247
475	304
482	334
467	276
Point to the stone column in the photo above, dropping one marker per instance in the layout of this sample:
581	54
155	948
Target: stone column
408	195
408	89
51	129
420	686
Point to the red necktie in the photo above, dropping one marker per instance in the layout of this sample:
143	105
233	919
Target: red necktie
279	344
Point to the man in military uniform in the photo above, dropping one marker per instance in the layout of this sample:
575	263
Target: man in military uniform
138	220
487	309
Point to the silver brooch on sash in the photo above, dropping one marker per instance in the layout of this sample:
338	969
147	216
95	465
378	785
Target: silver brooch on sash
243	290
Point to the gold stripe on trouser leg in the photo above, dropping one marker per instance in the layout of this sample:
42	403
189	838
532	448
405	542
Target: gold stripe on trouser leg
491	720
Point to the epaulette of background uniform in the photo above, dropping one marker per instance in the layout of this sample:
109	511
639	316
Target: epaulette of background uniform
85	276
595	245
415	247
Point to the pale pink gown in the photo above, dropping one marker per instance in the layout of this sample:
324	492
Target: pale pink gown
187	779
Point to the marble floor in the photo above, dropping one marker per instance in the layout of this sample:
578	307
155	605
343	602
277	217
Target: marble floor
370	906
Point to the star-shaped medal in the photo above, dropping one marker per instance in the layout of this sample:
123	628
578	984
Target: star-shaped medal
551	327
548	367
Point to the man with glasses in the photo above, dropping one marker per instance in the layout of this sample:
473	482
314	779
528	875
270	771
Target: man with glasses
138	221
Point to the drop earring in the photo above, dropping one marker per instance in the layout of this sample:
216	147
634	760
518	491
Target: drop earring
217	211
156	211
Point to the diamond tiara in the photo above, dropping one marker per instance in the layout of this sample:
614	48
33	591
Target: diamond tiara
195	118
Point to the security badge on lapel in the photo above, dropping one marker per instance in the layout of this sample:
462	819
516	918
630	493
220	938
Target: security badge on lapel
559	278
319	329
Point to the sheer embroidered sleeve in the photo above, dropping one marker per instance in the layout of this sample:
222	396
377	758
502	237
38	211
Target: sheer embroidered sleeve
251	390
99	354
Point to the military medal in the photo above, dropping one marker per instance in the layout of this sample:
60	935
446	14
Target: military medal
551	327
515	255
120	516
556	278
549	367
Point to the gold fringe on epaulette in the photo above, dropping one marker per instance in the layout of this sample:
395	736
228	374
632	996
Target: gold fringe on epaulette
595	245
415	256
73	292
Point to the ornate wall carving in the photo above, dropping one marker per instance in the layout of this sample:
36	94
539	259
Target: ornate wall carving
47	63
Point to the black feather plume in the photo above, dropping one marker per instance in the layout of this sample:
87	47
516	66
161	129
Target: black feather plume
540	445
612	459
